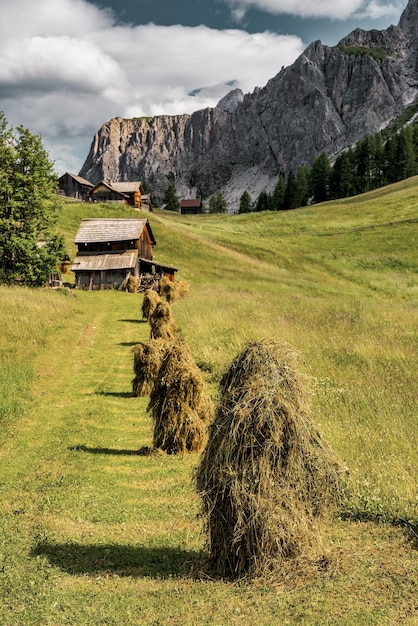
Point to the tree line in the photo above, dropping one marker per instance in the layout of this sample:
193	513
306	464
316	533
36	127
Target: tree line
374	162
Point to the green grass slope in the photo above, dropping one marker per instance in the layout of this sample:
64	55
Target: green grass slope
93	533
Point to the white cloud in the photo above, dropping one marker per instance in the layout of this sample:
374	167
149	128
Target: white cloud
376	10
66	67
333	9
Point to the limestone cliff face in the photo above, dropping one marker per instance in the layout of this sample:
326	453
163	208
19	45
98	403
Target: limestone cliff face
328	99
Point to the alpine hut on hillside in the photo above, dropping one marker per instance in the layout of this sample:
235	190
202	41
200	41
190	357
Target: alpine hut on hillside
127	192
110	250
74	186
191	207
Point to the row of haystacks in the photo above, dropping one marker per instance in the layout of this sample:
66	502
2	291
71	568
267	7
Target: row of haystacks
168	291
266	475
165	370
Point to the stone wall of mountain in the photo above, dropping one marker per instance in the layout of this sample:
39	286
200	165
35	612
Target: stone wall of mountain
328	99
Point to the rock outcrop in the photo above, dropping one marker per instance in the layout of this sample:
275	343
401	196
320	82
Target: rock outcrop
328	99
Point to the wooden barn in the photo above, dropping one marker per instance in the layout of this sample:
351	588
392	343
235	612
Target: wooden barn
127	192
192	206
74	186
110	250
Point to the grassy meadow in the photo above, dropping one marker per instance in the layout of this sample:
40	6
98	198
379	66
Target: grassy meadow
92	533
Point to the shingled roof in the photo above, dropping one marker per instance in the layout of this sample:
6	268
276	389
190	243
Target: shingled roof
124	260
79	179
94	230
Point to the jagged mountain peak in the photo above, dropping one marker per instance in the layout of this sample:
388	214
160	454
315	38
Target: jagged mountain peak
231	101
409	17
325	101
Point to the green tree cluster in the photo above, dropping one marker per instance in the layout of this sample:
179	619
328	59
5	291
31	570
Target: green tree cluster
29	247
373	162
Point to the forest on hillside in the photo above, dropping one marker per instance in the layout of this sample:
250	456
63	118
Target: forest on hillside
375	161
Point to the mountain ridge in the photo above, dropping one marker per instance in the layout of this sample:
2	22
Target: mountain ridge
328	99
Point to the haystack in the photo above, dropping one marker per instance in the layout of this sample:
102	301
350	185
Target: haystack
173	290
149	302
162	323
148	357
179	408
266	474
132	284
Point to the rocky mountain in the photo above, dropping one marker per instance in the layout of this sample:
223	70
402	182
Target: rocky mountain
328	99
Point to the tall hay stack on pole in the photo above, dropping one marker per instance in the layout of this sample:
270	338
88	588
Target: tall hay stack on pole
266	475
149	302
148	357
179	408
173	290
162	322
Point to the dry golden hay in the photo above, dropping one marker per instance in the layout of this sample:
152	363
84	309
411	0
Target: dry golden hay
173	290
148	357
162	323
177	403
266	474
149	302
132	284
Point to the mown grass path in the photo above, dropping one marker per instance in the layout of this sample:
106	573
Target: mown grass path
95	534
92	533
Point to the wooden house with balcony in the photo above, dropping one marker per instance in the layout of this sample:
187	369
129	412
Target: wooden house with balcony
110	250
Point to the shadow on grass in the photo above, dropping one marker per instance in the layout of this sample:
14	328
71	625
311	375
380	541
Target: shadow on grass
112	451
409	526
115	394
120	560
138	321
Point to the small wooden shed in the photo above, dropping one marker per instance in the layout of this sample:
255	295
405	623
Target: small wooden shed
192	206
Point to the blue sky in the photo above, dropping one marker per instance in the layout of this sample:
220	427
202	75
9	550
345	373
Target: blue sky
71	65
327	24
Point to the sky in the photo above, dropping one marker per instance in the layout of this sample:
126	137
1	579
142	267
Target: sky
68	66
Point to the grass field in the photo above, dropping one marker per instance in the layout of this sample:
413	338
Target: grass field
91	533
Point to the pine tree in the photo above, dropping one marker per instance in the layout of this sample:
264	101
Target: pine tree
277	199
218	203
170	198
263	202
405	154
291	192
302	184
320	178
29	247
342	178
245	203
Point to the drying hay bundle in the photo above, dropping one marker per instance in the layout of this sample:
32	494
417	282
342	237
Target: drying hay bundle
162	323
149	302
132	284
173	290
265	474
148	357
179	408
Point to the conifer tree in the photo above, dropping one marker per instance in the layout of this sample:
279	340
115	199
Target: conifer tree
245	203
29	246
320	178
277	199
